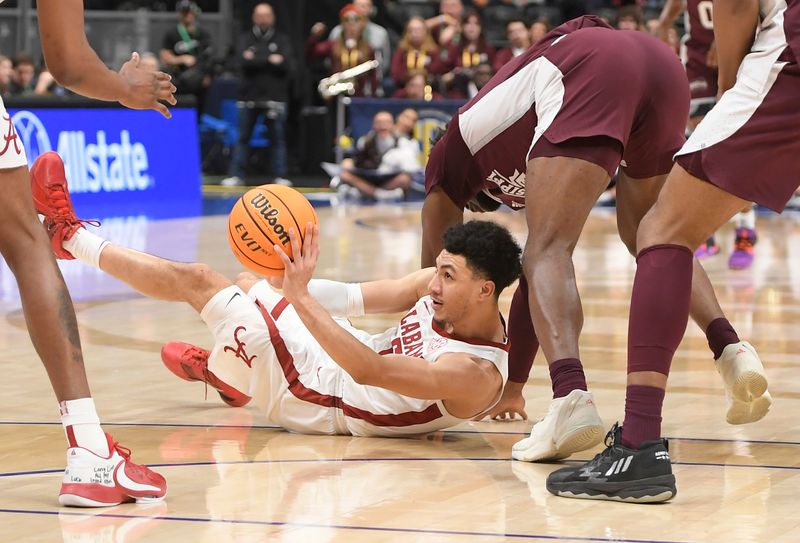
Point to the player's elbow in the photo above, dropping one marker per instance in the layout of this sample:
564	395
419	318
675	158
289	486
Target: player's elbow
363	377
66	73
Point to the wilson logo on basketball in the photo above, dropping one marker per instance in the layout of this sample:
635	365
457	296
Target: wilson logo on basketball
270	214
248	240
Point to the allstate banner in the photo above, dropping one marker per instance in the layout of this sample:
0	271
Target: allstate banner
119	161
433	116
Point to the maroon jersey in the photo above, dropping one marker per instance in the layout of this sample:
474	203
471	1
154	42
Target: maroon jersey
584	79
699	25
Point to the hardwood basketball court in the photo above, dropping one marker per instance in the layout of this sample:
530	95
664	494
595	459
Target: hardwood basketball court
233	478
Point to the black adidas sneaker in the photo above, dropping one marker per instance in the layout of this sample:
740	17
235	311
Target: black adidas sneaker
619	473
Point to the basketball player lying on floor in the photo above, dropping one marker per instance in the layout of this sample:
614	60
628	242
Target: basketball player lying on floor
445	362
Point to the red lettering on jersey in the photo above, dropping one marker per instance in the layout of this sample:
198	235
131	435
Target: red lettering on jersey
406	329
11	136
413	338
414	350
239	351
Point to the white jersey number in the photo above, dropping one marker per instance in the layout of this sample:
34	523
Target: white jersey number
704	11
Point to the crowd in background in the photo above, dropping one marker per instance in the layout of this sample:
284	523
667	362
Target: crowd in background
425	50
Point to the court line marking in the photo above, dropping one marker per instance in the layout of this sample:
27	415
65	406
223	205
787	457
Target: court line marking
275	427
336	526
385	459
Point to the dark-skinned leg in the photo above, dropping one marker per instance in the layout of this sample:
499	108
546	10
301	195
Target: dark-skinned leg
636	466
560	193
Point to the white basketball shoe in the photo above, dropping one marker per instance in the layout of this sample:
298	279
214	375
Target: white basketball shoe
745	383
572	424
91	480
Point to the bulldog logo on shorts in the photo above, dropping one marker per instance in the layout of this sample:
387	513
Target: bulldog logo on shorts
239	352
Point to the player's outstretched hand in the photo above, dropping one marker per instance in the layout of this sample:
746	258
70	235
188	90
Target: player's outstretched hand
147	89
298	271
511	404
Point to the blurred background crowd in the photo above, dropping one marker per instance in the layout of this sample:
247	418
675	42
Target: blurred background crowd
252	69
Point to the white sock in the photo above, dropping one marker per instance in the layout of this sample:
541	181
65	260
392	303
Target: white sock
747	219
82	425
86	247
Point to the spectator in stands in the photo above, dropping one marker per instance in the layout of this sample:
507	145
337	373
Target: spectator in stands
6	73
186	52
480	76
519	40
446	27
350	49
417	51
266	64
417	87
629	18
406	123
23	80
383	164
539	29
376	35
46	84
466	56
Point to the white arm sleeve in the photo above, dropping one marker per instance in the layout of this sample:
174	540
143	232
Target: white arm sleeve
339	299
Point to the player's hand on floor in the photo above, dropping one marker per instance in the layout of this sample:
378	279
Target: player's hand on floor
299	269
511	405
147	89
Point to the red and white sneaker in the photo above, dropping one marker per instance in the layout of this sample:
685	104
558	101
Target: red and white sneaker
91	480
51	199
190	363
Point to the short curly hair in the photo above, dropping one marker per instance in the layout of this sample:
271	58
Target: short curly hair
489	249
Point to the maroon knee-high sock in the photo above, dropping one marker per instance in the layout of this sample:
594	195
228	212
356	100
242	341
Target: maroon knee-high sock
720	333
642	415
522	336
567	375
659	313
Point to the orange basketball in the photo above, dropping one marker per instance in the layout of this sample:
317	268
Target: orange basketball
260	219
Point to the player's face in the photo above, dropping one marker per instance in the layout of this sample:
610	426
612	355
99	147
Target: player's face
454	288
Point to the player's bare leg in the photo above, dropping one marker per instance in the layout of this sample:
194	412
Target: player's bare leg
636	196
560	193
194	283
46	303
53	328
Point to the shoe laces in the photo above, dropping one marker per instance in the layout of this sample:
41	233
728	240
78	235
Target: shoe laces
199	359
124	452
611	440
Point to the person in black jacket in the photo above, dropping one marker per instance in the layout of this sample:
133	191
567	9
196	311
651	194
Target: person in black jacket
266	67
186	52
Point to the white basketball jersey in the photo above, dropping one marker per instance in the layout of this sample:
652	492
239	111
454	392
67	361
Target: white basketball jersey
377	411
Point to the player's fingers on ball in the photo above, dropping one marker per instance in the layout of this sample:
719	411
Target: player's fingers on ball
287	262
296	250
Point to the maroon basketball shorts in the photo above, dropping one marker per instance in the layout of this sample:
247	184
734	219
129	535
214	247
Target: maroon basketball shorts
749	144
600	115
